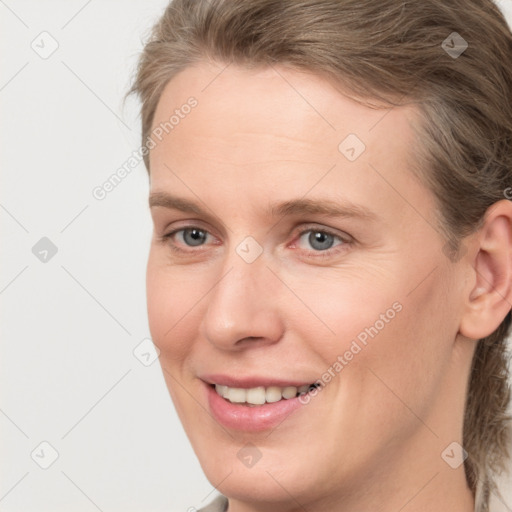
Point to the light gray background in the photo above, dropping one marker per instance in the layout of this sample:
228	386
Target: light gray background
70	325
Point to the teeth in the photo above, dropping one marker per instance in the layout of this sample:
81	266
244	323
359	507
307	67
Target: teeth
256	396
222	390
260	395
236	395
273	394
289	392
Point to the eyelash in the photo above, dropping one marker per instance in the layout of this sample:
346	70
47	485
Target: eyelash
316	254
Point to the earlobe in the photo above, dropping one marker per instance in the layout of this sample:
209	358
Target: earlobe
490	298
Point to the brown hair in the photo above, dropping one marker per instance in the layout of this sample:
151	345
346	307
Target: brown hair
392	52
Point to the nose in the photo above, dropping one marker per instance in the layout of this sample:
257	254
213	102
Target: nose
243	307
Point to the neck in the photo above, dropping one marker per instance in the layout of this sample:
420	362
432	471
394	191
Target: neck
441	488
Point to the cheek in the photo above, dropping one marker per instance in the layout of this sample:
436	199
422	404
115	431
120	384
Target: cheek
334	310
379	337
173	302
405	363
336	314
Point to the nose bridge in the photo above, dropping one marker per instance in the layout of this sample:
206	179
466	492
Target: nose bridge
243	304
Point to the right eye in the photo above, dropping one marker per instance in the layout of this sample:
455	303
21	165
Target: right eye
190	236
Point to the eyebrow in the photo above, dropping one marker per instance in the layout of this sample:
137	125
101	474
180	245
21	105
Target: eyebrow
287	208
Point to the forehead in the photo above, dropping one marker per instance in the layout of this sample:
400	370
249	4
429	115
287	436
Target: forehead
277	105
254	128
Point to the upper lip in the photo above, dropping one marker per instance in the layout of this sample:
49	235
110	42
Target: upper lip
254	381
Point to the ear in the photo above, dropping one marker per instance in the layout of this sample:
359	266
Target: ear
490	297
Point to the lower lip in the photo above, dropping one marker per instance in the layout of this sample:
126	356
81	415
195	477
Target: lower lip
243	417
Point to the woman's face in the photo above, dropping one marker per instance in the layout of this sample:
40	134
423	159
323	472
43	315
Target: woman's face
298	247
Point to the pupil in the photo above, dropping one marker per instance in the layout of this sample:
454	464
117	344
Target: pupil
194	236
319	240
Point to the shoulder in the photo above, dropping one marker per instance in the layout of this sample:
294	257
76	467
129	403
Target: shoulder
219	504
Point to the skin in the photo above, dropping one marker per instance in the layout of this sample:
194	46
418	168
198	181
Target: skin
372	438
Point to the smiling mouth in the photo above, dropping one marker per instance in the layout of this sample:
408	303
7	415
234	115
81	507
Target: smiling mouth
261	395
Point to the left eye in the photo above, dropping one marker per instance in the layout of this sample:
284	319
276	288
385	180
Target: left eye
320	240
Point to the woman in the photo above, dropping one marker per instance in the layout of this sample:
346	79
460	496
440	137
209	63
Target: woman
329	281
